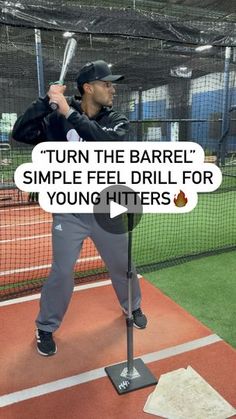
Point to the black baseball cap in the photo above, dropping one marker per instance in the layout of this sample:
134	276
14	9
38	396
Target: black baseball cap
96	70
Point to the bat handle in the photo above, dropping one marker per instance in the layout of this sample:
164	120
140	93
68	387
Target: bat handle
54	106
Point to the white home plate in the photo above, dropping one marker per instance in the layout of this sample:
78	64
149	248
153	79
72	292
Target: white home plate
184	394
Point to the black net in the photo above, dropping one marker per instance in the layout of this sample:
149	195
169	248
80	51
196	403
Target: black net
170	92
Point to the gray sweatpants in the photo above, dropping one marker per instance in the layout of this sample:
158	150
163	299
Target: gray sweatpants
68	233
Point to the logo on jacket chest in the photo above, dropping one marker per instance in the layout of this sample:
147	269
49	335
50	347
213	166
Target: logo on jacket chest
72	135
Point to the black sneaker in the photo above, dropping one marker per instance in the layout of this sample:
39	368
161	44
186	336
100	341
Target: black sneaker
140	320
45	343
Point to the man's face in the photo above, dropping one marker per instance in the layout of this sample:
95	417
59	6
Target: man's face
102	92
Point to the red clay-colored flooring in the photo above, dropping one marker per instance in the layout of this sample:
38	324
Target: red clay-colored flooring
93	335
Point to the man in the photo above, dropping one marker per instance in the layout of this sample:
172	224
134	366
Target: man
91	119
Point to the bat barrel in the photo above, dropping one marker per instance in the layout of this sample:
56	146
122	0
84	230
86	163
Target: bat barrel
68	55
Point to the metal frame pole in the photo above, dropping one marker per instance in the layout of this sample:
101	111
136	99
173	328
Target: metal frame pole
225	107
140	114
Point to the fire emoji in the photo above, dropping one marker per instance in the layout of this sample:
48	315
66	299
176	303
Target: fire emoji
181	200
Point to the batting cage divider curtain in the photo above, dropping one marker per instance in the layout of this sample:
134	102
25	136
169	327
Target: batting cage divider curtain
151	19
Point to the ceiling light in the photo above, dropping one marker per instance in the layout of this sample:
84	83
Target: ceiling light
203	47
68	34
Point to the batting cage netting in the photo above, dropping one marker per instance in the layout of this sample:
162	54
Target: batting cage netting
171	92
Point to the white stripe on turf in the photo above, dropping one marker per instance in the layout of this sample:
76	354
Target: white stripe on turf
36	268
40	236
95	374
37	296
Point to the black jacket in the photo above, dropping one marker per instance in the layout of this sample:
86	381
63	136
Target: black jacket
39	124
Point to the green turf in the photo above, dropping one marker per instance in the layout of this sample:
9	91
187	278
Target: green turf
210	226
15	159
206	288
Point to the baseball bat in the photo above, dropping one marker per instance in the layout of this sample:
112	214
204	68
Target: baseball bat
68	55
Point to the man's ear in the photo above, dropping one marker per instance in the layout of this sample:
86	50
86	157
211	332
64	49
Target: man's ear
87	88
